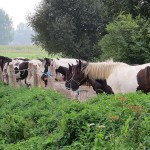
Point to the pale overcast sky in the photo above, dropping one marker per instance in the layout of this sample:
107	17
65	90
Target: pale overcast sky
18	9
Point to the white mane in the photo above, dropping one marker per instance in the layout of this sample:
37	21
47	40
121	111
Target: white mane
102	70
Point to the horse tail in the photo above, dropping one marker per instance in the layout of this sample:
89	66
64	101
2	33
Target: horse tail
147	73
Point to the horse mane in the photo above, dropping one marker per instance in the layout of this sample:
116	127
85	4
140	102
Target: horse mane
102	70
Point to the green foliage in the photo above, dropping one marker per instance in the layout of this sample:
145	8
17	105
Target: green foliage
74	27
127	40
5	28
70	27
111	8
39	119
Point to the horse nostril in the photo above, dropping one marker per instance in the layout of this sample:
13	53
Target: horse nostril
56	79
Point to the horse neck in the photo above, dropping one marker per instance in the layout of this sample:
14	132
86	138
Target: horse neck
100	70
91	81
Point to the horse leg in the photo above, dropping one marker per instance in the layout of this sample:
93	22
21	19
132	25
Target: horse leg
106	88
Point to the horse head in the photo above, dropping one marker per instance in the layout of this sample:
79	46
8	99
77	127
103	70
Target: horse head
78	77
4	60
68	77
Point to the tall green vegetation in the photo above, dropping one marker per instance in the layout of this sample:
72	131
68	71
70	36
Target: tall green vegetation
127	40
111	8
6	30
70	27
75	27
38	119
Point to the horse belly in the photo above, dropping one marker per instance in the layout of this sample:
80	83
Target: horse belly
123	82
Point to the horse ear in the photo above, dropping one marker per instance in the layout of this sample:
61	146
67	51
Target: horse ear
77	61
83	64
80	63
69	66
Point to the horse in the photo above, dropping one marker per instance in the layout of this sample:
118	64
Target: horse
143	79
63	62
18	64
99	86
4	60
22	71
120	77
63	71
40	65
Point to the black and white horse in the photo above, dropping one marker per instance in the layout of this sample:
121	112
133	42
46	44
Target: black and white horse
120	77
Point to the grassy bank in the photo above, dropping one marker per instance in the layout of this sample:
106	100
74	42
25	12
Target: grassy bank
38	119
31	51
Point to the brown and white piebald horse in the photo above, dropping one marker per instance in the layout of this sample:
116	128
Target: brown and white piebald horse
99	86
121	77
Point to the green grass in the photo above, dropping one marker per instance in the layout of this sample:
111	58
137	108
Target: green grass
31	52
39	119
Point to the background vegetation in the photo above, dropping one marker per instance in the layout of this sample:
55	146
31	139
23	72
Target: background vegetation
21	35
6	29
76	27
39	119
127	40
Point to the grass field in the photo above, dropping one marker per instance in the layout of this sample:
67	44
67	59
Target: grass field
29	51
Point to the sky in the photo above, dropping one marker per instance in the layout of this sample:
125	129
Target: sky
19	9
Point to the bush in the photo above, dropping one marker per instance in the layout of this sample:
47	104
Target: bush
127	40
44	119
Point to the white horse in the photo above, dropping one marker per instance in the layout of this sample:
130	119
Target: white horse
64	62
121	77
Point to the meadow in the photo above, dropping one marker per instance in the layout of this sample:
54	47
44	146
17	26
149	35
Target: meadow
27	51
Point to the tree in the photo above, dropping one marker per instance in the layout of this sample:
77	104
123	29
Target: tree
5	28
127	40
70	27
110	9
23	35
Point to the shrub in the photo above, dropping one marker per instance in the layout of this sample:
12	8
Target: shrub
127	40
44	119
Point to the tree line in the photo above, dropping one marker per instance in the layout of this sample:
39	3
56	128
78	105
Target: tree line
9	35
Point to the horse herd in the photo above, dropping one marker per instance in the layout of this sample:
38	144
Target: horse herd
109	76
